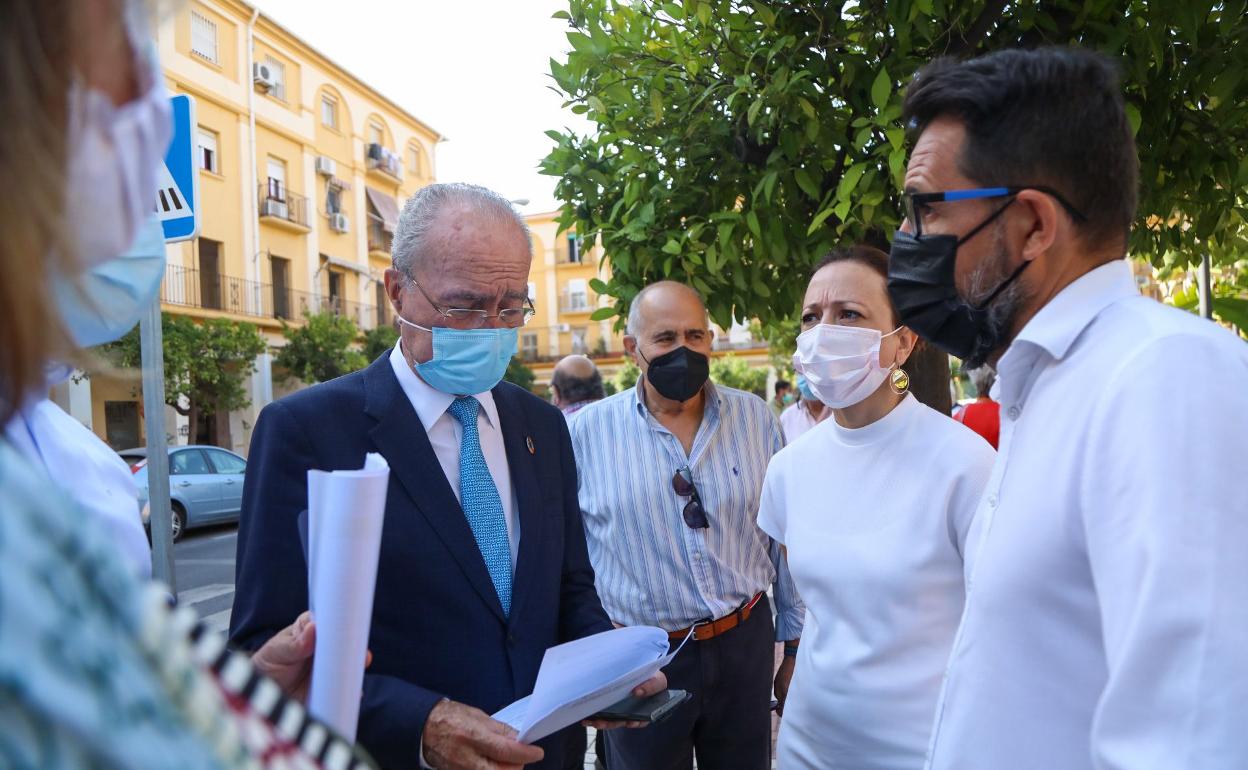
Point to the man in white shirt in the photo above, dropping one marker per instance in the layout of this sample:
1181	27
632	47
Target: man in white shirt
1106	621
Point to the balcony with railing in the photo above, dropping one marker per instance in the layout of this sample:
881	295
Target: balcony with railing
532	351
383	162
575	302
188	287
282	207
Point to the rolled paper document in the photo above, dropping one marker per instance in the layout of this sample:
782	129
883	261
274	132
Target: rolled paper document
345	514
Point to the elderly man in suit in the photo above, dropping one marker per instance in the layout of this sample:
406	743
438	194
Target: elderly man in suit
483	560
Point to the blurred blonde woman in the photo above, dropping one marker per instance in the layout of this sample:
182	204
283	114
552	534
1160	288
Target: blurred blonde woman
873	506
95	669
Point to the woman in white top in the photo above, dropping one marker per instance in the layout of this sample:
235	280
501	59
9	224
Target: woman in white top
873	507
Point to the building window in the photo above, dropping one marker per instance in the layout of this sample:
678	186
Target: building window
376	134
335	291
579	345
574	248
278	71
329	112
204	37
383	303
210	274
578	295
333	199
528	346
413	159
277	179
207	154
280	268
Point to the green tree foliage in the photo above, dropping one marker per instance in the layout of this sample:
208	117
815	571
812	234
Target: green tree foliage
734	372
735	141
378	340
519	374
627	376
206	364
321	349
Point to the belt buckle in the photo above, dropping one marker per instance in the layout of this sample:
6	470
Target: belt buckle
705	622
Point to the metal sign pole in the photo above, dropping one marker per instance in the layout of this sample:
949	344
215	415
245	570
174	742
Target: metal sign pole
161	520
1204	284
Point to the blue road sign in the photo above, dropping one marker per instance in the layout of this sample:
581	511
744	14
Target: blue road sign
177	198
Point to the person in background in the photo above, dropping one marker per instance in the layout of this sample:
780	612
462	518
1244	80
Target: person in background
670	473
1105	622
783	397
575	384
808	412
873	507
983	415
483	563
96	670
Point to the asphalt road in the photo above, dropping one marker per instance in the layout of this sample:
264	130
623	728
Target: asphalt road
203	565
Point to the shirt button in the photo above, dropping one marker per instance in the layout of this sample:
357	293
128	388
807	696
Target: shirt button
992	501
1014	412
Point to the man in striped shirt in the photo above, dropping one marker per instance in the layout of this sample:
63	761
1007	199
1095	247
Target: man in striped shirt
670	476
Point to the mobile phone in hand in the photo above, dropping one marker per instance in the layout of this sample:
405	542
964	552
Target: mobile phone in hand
656	708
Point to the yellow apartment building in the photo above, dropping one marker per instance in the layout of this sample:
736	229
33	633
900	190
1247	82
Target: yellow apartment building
303	168
563	266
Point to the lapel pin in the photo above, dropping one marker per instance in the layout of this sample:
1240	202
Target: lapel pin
528	441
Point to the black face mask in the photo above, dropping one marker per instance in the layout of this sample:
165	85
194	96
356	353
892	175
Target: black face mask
678	374
922	284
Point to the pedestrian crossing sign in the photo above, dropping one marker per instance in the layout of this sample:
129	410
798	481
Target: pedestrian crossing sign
177	197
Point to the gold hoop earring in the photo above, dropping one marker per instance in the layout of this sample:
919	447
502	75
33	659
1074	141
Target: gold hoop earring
899	381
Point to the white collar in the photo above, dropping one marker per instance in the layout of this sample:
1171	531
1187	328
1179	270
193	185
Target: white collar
431	404
1056	326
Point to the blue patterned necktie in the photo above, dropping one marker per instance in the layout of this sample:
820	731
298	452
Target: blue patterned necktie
479	498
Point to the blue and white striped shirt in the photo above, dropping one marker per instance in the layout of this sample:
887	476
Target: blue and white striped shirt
650	567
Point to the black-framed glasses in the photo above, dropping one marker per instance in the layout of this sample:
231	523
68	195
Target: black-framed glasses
915	205
694	513
468	318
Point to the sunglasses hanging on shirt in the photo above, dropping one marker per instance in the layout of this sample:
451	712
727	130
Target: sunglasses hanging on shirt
694	514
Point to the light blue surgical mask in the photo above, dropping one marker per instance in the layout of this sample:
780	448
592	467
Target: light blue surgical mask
804	387
466	361
106	301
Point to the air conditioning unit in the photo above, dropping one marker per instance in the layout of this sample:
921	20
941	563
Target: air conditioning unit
563	328
339	223
272	208
325	166
262	76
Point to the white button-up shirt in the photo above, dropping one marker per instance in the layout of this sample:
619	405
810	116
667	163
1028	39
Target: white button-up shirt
446	434
1106	621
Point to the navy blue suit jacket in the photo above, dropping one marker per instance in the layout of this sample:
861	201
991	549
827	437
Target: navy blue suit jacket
438	628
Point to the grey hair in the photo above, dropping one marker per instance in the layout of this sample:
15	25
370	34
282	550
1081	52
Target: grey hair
633	326
420	213
982	378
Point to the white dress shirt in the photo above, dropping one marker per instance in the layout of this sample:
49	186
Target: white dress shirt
875	520
795	421
89	471
1106	621
445	434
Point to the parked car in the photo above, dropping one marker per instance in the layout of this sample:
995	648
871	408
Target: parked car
205	485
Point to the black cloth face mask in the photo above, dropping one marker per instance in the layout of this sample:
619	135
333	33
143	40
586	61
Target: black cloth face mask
923	287
678	374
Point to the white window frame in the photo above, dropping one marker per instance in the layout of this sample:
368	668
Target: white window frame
276	185
578	294
278	68
329	103
208	140
414	153
528	350
204	41
376	133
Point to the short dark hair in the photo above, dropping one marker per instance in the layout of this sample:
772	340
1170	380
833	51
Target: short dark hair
863	255
573	390
1050	116
783	385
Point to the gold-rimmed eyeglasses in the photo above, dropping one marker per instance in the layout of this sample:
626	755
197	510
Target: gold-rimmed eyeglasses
468	318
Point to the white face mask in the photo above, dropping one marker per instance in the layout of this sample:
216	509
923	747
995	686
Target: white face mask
115	155
841	364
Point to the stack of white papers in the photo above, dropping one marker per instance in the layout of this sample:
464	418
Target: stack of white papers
345	514
580	678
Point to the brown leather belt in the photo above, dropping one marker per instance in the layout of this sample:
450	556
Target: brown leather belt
709	629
